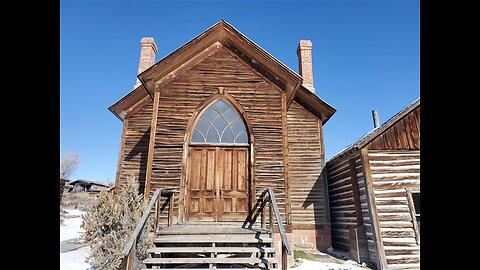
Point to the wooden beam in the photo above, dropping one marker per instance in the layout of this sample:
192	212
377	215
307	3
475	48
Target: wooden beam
324	171
136	107
151	145
288	202
380	252
356	191
120	154
189	64
413	214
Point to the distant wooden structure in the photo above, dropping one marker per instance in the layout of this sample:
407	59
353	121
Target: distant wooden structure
90	186
374	191
62	186
218	121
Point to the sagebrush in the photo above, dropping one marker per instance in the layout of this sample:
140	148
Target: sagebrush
109	223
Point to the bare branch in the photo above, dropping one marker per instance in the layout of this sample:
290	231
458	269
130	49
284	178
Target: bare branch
68	163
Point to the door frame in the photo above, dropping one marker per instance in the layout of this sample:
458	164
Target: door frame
186	150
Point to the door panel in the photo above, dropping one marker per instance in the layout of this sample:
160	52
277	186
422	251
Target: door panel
233	182
217	183
201	197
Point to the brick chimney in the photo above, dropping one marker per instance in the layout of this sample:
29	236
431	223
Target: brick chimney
147	55
304	52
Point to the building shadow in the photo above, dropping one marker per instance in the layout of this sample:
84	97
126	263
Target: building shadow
318	197
140	150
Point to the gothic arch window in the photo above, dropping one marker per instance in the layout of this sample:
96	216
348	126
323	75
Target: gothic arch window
220	123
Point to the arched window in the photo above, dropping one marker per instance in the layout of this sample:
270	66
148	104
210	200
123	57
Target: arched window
220	123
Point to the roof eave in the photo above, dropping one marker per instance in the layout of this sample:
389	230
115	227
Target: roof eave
225	33
315	104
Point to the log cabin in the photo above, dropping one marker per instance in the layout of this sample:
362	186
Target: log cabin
219	123
374	191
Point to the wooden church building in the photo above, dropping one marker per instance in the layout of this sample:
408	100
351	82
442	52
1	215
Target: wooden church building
374	190
220	119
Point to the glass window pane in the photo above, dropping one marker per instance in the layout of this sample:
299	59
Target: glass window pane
220	119
197	137
416	201
220	105
230	114
202	126
212	136
228	136
220	124
241	137
237	126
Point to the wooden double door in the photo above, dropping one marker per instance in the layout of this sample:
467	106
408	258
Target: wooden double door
217	183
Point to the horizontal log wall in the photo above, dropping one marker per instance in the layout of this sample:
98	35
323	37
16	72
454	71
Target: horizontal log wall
307	188
260	99
404	134
392	173
135	148
342	206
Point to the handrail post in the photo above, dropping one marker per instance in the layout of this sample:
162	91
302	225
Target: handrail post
270	216
263	205
170	209
157	210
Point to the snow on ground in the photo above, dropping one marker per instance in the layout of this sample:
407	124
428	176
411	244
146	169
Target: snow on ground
70	229
315	265
71	225
75	260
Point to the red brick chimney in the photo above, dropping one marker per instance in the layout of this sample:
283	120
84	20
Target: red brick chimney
304	52
147	55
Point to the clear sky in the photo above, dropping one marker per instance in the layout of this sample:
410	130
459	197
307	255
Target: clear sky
366	55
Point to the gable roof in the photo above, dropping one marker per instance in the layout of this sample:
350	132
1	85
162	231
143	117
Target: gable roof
371	135
221	34
84	182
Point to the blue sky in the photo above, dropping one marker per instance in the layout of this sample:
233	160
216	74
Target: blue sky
366	55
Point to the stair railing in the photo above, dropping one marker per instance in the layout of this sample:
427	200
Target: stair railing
128	253
268	196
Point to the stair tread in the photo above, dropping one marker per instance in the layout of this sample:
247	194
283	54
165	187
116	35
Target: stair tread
245	268
207	260
210	249
212	239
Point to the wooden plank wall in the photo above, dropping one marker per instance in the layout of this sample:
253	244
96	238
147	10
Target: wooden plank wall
260	99
392	173
342	204
135	148
404	134
307	188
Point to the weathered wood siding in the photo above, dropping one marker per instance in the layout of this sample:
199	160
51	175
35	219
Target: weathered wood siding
135	148
307	187
404	134
260	99
342	204
393	172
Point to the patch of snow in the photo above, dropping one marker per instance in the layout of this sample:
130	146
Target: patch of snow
75	260
315	265
73	212
71	228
